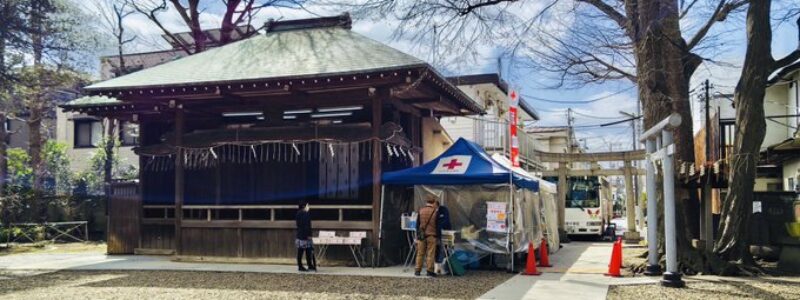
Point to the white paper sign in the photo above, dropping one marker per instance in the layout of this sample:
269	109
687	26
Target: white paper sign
496	226
496	211
454	164
756	206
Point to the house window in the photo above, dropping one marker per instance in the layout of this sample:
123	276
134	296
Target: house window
129	134
88	133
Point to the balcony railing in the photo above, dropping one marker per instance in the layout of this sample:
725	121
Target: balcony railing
492	135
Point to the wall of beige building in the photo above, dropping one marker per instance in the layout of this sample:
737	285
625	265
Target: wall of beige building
434	139
80	158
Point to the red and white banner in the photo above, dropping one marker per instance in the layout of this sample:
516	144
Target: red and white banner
512	116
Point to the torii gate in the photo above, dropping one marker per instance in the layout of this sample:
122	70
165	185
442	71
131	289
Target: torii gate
563	159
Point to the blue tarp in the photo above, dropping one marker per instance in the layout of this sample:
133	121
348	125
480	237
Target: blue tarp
464	163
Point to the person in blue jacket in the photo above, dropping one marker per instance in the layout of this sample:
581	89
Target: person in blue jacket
303	240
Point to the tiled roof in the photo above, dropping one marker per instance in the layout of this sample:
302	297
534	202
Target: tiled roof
280	54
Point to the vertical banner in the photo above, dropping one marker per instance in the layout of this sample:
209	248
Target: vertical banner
512	116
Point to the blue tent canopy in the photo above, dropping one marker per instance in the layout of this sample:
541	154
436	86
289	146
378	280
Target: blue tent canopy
464	163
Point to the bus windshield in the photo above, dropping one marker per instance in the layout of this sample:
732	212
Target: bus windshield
582	193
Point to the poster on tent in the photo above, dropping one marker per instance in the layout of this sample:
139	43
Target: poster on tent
496	217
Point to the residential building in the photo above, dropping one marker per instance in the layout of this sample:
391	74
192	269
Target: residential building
779	165
491	129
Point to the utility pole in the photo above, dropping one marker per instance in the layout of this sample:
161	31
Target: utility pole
634	143
569	130
706	230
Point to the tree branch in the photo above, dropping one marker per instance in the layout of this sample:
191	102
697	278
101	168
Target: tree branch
612	14
722	11
471	7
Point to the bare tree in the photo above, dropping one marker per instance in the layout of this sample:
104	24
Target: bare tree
759	63
113	14
237	13
587	41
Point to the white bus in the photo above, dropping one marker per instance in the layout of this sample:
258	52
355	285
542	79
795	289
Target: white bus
587	208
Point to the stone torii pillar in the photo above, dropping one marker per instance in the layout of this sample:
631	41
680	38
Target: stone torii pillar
658	142
631	235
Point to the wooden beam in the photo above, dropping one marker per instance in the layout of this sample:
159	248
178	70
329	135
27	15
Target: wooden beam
377	113
597	156
594	172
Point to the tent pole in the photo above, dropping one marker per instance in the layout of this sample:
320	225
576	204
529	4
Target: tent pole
380	227
511	214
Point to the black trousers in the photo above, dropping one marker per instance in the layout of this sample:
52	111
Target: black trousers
310	260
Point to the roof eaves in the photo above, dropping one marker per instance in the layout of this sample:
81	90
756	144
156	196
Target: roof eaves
783	73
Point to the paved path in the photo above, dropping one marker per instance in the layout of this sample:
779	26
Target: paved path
577	273
48	262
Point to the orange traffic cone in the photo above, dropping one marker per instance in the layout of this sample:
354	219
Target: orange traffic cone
530	266
616	260
545	261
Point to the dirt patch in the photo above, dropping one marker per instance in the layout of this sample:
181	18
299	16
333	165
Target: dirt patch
49	247
174	284
716	288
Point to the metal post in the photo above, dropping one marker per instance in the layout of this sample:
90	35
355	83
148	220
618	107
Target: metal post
653	268
672	277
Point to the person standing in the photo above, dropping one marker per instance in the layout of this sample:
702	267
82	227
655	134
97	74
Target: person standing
303	240
442	223
426	236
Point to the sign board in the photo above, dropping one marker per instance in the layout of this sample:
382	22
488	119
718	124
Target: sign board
454	164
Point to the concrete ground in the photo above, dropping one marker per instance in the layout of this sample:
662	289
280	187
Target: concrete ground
48	262
577	273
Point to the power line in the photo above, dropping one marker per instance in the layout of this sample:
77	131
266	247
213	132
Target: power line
577	101
596	117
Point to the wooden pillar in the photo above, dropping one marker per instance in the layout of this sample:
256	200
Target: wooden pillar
630	234
141	182
377	112
562	196
179	178
706	223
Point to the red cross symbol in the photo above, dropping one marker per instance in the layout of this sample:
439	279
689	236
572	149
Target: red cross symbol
513	95
452	164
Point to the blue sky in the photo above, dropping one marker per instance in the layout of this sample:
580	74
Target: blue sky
618	96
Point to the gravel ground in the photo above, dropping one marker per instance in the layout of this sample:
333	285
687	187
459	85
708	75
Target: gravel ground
224	285
707	289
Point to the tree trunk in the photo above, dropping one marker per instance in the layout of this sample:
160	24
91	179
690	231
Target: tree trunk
108	147
750	130
663	90
36	107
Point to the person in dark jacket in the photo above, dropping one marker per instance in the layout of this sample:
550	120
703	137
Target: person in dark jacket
303	239
442	223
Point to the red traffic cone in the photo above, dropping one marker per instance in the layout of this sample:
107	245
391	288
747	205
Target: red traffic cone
545	260
616	260
530	266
